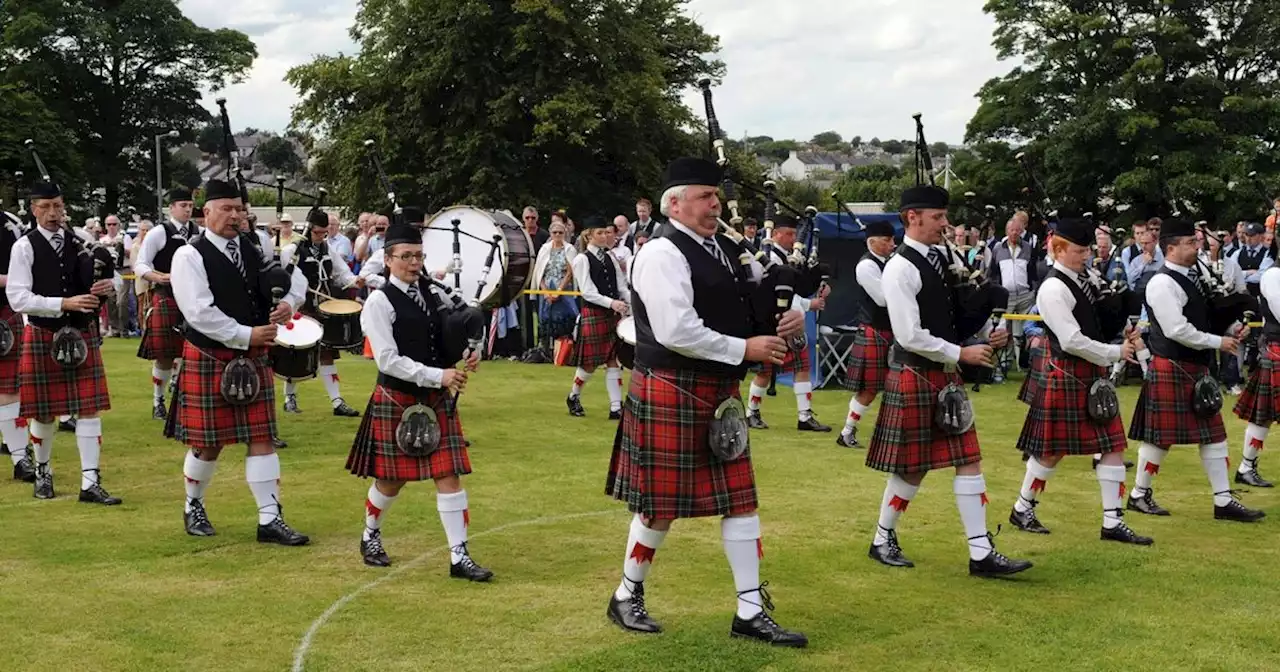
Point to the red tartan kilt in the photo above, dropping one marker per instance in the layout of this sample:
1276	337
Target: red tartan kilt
905	440
374	452
870	364
1260	401
793	363
160	340
11	363
1163	415
48	390
1058	422
662	466
198	415
1036	363
596	339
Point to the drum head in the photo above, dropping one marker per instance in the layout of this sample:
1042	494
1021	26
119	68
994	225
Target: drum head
302	332
477	230
627	330
340	307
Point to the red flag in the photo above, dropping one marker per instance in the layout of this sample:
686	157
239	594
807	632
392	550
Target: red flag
1037	485
899	503
984	499
1151	468
642	554
466	517
1256	444
759	549
371	509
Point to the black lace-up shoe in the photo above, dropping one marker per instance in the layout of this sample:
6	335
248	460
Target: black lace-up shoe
1146	504
630	614
466	568
342	410
575	406
1124	535
889	553
197	521
811	424
1237	512
1027	521
278	532
374	554
754	421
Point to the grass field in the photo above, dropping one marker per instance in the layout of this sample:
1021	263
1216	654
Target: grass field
90	588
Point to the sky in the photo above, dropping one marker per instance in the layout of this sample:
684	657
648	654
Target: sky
794	68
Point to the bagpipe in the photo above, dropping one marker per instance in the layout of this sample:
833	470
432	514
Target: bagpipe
785	274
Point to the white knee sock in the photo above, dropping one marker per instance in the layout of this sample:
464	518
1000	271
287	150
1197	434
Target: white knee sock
456	519
898	494
160	381
1255	437
42	440
89	441
757	395
856	411
642	543
262	473
1216	459
198	474
375	508
14	434
804	399
580	378
1033	484
743	549
329	376
613	381
971	499
1149	459
290	387
1111	481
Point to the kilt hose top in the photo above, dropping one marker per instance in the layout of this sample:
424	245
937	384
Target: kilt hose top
1260	401
161	338
596	339
11	362
869	366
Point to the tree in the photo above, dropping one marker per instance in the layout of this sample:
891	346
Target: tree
1105	86
827	140
116	73
210	137
875	142
778	150
580	105
894	147
875	183
279	155
856	142
24	116
939	150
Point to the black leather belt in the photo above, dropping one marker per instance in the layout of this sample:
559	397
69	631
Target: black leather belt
904	357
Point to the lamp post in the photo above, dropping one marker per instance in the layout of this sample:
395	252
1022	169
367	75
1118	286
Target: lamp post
159	176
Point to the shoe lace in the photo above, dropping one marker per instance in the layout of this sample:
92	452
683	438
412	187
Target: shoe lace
891	540
991	539
198	515
373	544
1233	494
637	598
279	519
766	600
461	550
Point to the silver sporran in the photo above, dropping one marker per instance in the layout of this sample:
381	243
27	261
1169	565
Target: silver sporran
727	436
954	414
69	349
1206	397
241	383
418	434
6	338
1102	404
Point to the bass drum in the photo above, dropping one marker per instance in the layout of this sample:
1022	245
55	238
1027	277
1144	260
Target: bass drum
477	230
296	353
627	345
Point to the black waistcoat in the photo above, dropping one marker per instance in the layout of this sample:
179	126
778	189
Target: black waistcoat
7	240
869	312
604	274
1084	312
718	298
311	259
70	275
1250	260
937	311
1197	313
233	294
174	238
418	334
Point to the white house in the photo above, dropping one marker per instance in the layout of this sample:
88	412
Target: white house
803	165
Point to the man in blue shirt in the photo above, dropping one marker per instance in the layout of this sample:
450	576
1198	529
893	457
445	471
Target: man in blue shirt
1253	257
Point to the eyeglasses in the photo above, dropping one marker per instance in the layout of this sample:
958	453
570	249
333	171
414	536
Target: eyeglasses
530	217
410	256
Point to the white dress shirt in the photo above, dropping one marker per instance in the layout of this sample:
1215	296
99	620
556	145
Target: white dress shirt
342	245
1056	301
17	234
1166	299
377	319
18	286
582	276
901	283
371	269
661	277
155	241
869	275
266	243
195	298
1270	287
342	275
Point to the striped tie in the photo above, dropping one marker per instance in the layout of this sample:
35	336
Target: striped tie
233	251
935	258
714	250
414	294
56	241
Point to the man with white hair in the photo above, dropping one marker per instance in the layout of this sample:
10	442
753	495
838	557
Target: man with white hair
621	249
339	242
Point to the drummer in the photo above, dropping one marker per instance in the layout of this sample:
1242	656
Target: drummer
374	270
327	275
606	298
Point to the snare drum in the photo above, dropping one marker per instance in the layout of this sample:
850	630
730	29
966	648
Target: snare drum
341	318
477	228
296	353
627	347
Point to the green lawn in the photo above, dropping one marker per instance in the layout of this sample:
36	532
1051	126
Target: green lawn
88	588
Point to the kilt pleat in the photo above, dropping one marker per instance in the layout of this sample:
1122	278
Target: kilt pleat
1163	415
662	466
11	363
160	338
1058	423
596	339
48	390
1260	401
905	440
198	415
374	452
793	363
1038	357
869	365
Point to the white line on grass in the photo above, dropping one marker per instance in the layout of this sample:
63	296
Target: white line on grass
300	654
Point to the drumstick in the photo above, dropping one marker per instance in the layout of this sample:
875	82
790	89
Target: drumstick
320	293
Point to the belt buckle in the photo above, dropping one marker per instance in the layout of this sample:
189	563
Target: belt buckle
949	368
